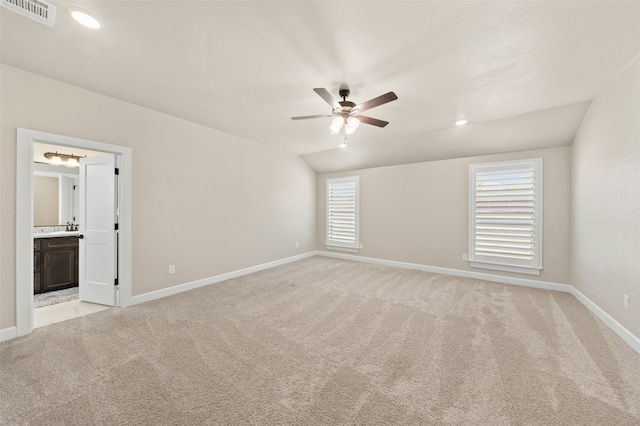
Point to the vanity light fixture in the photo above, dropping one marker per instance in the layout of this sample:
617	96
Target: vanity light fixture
56	158
84	17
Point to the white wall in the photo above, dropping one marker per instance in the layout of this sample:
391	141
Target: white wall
605	218
418	213
203	200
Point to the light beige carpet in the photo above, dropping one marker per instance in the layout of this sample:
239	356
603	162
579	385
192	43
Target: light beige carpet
326	341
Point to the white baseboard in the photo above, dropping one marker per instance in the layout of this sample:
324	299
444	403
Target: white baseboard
153	295
545	285
631	339
8	333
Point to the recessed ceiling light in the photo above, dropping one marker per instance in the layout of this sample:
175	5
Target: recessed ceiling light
85	18
461	122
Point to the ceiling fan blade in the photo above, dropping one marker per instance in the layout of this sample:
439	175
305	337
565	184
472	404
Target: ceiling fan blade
306	117
382	99
372	121
324	94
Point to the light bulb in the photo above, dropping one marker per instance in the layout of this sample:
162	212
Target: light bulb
336	125
461	122
56	159
352	125
343	144
72	162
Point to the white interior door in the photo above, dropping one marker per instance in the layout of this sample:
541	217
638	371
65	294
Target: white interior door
98	267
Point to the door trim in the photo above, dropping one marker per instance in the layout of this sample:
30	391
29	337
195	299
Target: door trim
24	218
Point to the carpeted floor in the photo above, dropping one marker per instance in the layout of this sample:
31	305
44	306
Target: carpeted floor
54	297
326	341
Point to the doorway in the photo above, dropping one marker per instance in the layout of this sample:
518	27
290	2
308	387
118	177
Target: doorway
24	219
62	291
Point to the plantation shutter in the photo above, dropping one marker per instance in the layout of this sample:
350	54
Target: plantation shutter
342	213
506	219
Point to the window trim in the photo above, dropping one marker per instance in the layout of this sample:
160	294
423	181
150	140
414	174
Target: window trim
535	265
337	245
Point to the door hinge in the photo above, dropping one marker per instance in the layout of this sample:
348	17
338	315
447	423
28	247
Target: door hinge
116	281
116	226
117	171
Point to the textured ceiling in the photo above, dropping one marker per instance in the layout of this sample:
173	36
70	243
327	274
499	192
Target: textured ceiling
522	73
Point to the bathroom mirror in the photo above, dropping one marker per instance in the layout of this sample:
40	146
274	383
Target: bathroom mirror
55	195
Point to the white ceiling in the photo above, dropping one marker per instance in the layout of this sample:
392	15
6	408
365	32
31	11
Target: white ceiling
522	73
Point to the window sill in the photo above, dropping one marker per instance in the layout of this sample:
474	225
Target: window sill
337	248
506	268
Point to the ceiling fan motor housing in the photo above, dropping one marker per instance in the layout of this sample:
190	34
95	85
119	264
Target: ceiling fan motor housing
346	105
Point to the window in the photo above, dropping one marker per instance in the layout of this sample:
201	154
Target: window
342	214
505	220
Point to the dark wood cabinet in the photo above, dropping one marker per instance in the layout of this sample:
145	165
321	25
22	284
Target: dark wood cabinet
55	264
37	262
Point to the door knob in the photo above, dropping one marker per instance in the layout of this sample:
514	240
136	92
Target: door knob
81	236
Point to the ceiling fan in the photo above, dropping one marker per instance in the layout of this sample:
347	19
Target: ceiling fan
347	113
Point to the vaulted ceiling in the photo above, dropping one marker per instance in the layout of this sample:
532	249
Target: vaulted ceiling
523	73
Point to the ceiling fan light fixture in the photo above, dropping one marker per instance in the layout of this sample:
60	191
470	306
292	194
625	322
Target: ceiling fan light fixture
343	144
461	122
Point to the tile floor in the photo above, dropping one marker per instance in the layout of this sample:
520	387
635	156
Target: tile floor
52	314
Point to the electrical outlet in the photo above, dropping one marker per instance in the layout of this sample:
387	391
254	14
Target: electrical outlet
626	301
361	245
172	269
464	256
296	244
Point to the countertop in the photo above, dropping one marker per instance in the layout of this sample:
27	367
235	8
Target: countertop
56	234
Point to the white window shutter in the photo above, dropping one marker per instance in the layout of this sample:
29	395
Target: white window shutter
342	213
506	216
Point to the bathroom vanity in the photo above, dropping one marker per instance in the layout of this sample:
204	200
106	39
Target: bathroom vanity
55	261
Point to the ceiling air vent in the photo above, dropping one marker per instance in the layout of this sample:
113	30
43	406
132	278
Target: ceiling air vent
38	10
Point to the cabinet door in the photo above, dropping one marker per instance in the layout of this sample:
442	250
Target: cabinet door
37	283
59	269
37	258
76	252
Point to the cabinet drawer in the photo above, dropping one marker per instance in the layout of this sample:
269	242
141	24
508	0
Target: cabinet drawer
60	242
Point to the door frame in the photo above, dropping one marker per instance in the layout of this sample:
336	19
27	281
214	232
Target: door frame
24	218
